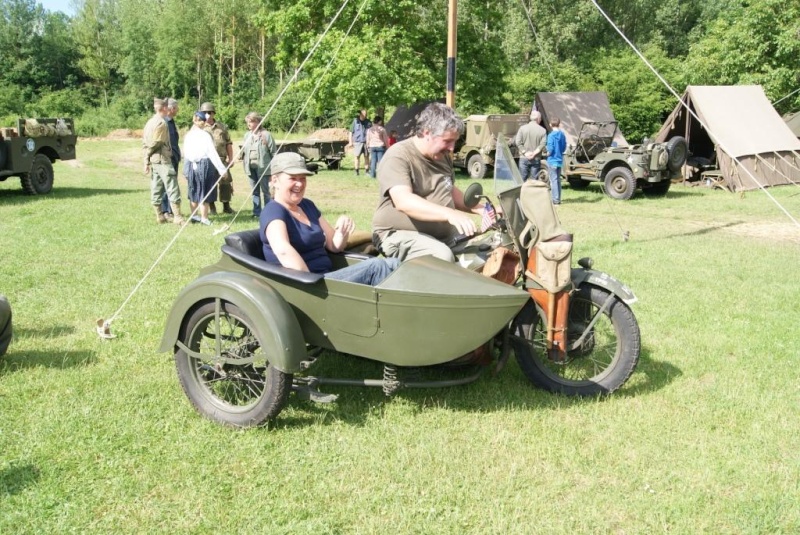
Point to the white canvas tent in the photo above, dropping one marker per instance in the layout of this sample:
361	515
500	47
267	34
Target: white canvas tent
740	122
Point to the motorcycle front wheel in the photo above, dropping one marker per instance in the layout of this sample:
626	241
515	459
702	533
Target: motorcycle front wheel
600	357
226	374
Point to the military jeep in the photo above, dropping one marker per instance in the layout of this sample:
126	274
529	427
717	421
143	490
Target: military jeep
595	157
475	150
30	150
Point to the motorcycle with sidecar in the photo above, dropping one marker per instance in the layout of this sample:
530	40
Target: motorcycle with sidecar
246	333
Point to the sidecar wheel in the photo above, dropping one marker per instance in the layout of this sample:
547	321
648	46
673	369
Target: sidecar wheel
604	361
240	389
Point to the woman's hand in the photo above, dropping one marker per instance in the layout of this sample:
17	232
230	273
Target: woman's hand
336	236
341	231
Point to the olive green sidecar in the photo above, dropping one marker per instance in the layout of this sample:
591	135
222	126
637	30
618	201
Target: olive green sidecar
244	326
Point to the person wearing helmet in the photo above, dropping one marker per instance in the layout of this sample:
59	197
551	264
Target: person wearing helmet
224	146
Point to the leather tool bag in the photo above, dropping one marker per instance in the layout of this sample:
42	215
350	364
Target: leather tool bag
502	265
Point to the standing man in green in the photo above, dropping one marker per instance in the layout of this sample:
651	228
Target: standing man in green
257	152
224	146
530	142
158	164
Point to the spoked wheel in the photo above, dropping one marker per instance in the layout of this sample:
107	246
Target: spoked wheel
224	370
601	355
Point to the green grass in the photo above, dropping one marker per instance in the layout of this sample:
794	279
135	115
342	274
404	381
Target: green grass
97	436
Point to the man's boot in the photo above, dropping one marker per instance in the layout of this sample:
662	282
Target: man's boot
226	208
177	217
212	208
159	215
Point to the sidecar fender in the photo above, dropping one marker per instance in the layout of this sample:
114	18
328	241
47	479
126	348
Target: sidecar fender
603	280
274	322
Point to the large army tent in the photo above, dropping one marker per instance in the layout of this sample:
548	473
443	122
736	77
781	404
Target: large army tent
739	123
574	109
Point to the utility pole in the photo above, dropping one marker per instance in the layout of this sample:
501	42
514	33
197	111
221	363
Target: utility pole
452	30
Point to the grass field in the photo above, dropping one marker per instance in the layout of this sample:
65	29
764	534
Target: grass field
97	436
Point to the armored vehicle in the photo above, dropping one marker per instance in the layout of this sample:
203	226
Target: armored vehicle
595	157
475	151
29	150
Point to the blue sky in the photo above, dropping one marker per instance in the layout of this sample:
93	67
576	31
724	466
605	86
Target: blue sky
58	5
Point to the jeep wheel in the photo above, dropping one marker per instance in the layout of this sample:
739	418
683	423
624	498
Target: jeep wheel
576	182
40	179
620	183
659	189
678	151
476	167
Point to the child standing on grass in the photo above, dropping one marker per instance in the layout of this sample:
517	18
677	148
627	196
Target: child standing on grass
556	145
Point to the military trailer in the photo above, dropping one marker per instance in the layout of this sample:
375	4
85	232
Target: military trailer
29	150
316	150
475	150
598	152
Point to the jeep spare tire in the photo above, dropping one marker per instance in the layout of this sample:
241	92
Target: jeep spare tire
677	152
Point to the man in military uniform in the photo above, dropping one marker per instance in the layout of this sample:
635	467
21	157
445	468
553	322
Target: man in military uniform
224	146
158	164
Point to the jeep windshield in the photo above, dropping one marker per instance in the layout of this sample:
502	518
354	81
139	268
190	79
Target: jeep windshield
506	172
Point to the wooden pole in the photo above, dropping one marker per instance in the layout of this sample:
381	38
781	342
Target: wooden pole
452	26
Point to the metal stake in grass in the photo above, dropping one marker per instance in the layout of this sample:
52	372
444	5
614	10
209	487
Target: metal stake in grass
626	234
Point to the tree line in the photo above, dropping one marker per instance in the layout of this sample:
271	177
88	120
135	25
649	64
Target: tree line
104	64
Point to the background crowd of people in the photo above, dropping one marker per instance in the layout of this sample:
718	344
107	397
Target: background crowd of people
207	153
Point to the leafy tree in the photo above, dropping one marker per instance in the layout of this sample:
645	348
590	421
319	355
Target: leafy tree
753	43
97	34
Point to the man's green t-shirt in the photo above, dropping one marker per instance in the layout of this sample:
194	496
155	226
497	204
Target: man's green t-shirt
404	165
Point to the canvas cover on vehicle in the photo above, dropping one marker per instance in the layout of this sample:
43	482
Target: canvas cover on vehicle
739	122
574	109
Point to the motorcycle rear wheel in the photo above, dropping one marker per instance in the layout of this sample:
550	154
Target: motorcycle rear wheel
240	389
605	359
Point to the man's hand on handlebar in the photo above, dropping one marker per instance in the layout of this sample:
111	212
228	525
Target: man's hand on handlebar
463	223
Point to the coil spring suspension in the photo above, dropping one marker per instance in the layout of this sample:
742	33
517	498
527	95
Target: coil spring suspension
390	382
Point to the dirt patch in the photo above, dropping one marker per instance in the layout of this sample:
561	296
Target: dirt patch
785	232
331	134
124	133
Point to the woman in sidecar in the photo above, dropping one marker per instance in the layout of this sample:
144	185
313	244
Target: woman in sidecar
296	236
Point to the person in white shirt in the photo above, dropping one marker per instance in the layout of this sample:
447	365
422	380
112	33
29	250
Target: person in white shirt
202	167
